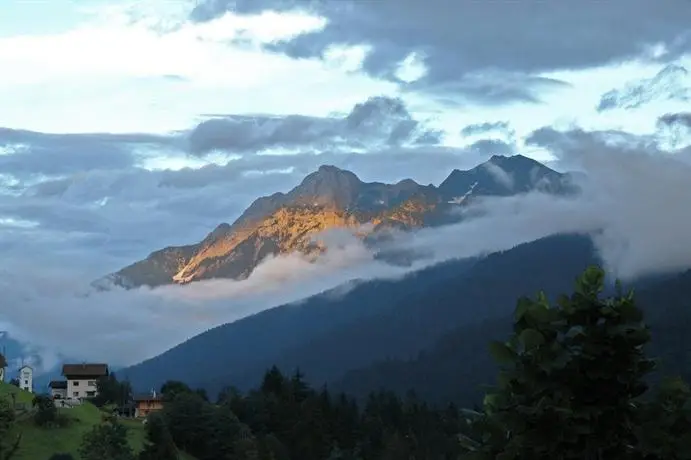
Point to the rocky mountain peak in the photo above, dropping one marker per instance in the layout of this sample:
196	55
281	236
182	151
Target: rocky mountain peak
500	175
329	185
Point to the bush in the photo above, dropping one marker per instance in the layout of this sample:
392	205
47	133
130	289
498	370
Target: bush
46	412
107	441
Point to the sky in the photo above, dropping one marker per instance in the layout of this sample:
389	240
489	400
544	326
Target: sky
129	126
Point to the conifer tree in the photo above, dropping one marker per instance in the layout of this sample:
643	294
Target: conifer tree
570	380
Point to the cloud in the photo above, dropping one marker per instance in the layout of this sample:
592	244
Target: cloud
29	153
675	119
377	122
483	128
672	83
491	147
503	177
50	306
675	129
634	197
460	38
487	87
110	69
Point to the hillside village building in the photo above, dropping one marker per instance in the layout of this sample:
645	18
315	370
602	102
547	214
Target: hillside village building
26	378
58	389
3	365
146	404
82	378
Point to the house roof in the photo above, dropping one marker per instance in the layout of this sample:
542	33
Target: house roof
85	370
58	384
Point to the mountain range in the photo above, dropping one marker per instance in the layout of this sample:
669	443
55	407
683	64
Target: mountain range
427	331
387	318
331	198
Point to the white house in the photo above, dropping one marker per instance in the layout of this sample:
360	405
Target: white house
26	378
82	378
3	365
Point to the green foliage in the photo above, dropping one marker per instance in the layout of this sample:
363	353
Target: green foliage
287	419
159	442
61	457
571	385
664	425
189	419
228	394
107	441
9	442
46	413
172	388
112	391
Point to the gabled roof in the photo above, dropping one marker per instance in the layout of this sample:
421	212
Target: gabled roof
85	370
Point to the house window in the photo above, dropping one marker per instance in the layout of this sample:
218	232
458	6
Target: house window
90	394
75	394
26	382
91	383
76	383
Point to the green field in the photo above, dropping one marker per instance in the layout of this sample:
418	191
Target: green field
40	443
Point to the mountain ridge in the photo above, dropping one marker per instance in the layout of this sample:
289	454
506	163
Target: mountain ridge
328	198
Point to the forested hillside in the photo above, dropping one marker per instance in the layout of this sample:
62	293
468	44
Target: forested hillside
573	384
328	335
459	356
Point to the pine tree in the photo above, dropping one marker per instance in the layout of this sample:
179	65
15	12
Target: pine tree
571	378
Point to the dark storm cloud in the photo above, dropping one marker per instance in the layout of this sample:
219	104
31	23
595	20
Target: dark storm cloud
376	122
459	38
